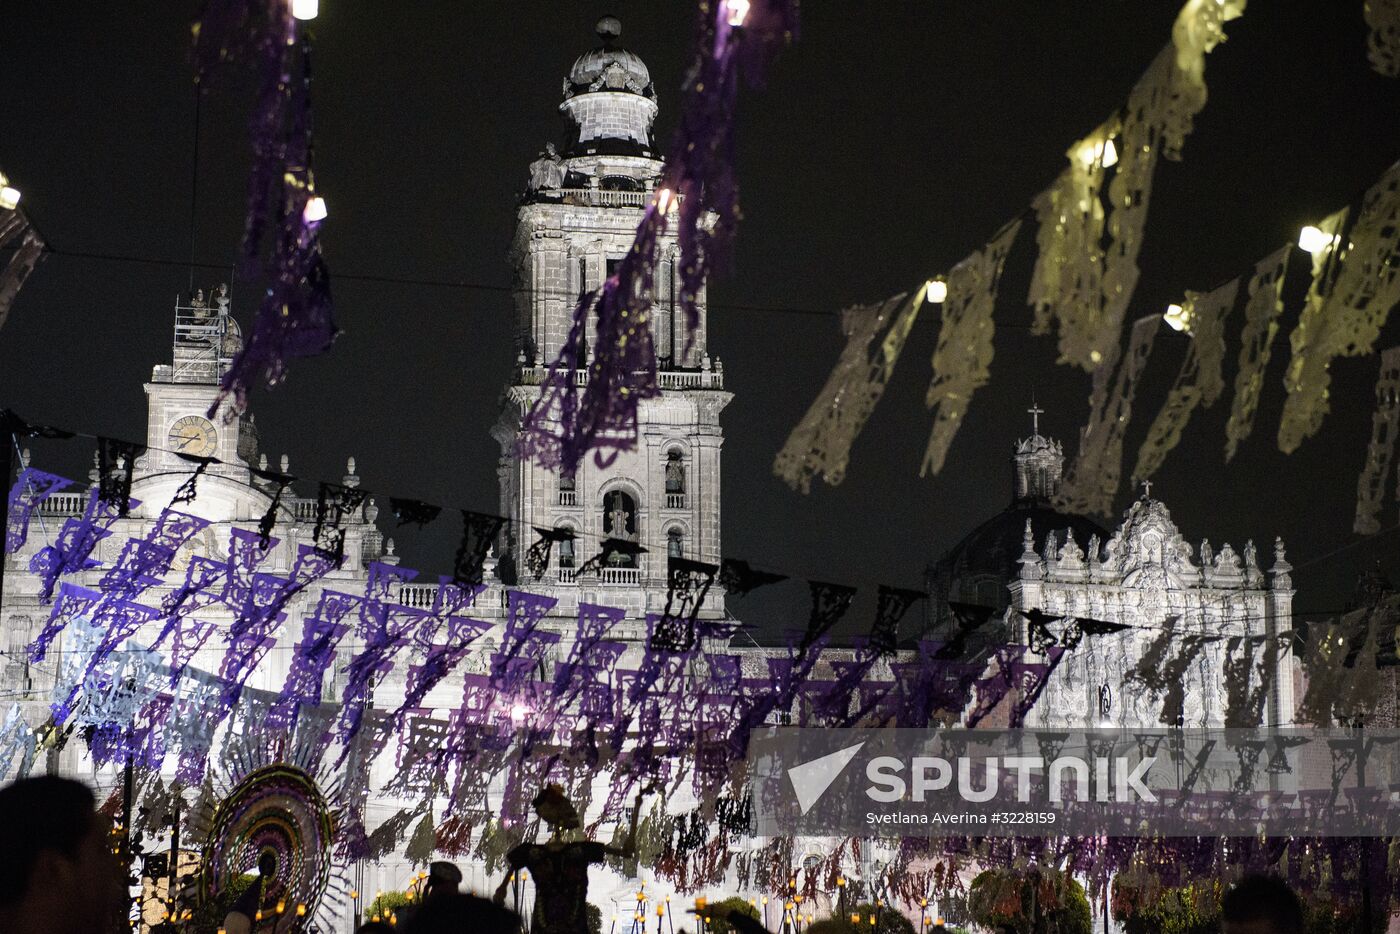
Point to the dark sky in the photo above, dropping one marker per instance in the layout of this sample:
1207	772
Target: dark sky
893	138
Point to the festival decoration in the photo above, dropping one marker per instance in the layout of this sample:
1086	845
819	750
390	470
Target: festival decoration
1261	312
1385	427
1092	479
1066	280
17	743
1356	282
294	319
280	810
1085	286
537	557
334	504
30	489
1200	380
1383	40
962	358
279	483
412	511
821	442
116	461
27	253
737	577
479	533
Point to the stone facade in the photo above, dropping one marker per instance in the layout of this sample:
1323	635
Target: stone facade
666	493
1149	579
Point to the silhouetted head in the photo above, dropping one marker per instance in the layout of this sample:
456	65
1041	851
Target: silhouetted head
1261	905
453	913
555	809
56	859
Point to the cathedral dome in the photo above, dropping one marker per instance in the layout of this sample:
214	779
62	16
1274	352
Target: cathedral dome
609	67
978	568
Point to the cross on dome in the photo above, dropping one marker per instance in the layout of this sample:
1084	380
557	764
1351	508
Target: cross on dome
1035	412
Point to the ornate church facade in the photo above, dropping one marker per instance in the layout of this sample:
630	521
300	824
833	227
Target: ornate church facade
1213	617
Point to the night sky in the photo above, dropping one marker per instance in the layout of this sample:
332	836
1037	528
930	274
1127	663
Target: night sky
892	140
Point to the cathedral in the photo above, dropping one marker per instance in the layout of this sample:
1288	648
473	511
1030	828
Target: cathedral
1144	580
575	221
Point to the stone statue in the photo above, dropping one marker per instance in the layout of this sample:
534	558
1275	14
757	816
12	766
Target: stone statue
675	476
617	519
547	172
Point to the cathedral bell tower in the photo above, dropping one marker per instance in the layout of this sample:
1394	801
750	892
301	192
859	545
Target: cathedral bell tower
576	221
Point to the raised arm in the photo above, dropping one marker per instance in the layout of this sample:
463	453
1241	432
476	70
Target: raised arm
628	850
511	869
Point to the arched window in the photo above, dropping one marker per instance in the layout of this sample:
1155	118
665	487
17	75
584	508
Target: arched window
620	521
675	543
675	480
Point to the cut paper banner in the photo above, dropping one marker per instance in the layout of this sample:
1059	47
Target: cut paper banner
1091	482
1385	425
820	445
1356	283
1261	312
1083	285
962	358
1383	40
1200	380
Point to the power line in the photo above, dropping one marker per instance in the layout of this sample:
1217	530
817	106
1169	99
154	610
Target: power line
458	284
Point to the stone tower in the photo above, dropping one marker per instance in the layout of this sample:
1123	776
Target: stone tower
576	221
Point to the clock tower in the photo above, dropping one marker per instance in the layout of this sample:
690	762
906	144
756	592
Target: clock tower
179	395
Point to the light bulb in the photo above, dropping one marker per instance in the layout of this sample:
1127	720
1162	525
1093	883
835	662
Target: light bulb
1177	318
315	210
666	202
737	10
306	9
1314	240
301	911
9	198
1110	154
936	291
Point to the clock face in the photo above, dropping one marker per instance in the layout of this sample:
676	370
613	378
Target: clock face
193	435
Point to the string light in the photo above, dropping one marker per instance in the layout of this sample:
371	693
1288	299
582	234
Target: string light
306	9
738	11
1177	318
1315	240
666	201
936	290
9	197
315	210
1110	154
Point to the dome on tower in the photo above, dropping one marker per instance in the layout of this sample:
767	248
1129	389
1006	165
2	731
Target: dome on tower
978	568
609	67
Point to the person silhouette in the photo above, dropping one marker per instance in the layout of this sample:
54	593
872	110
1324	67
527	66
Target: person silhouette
559	866
57	872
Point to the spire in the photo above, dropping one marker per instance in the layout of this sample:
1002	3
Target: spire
1037	463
